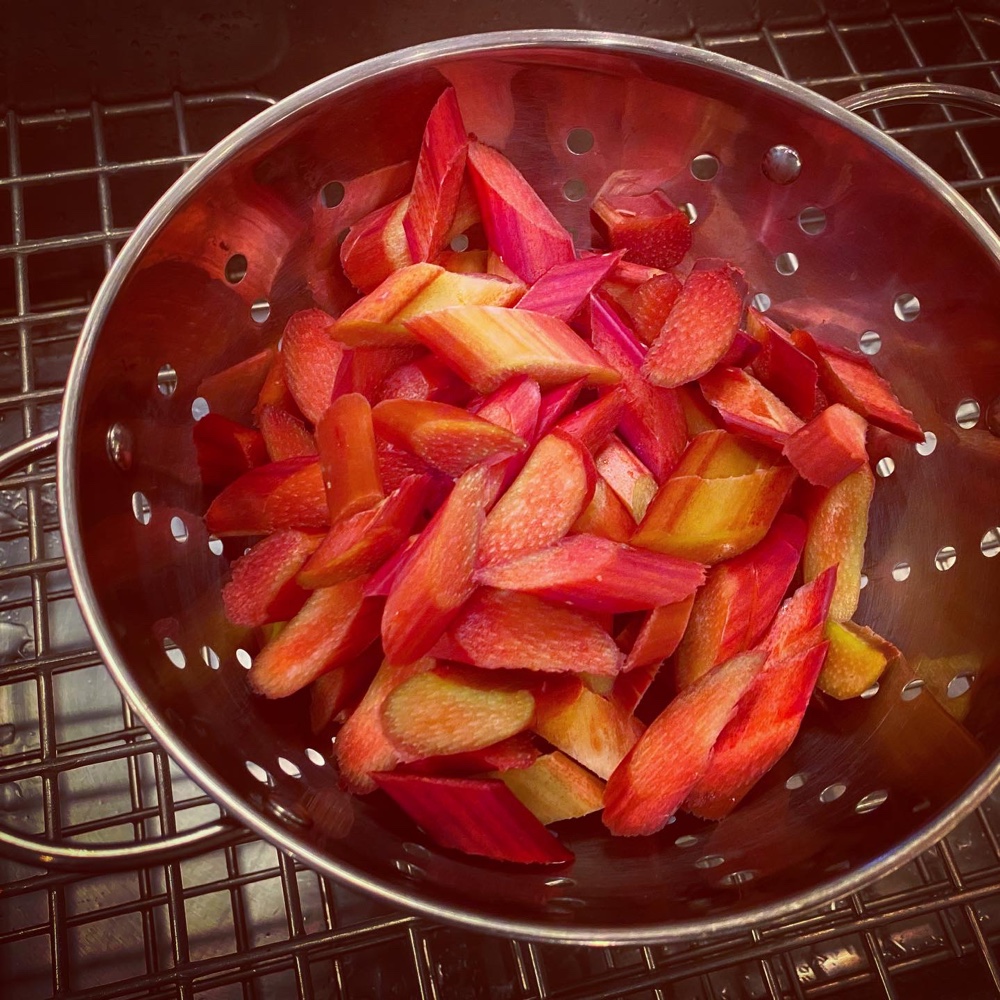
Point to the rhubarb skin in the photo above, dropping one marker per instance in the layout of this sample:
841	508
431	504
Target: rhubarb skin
747	407
659	634
837	529
701	326
486	345
555	788
348	456
519	227
478	816
830	447
658	773
563	290
789	373
856	659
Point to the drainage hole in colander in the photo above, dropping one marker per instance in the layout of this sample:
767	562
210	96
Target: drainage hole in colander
178	529
906	307
945	557
332	194
574	189
781	164
565	904
863	582
417	851
141	509
885	467
960	684
580	140
559	882
174	654
244	659
210	657
871	801
796	781
786	263
832	792
967	414
166	380
459	243
738	878
315	757
989	544
259	773
870	342
871	691
215	545
901	572
704	167
199	407
710	861
120	446
761	302
927	446
686	841
289	767
260	310
812	220
236	269
690	211
409	869
912	689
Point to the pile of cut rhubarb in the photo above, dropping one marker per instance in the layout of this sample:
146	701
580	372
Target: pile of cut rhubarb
546	532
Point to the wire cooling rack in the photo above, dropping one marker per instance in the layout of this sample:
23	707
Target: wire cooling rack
245	921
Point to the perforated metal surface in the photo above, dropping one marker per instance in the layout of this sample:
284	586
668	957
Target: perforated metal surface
245	922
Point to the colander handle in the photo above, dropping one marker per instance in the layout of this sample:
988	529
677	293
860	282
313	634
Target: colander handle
970	98
83	857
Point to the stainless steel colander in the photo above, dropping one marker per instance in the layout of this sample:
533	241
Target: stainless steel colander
839	229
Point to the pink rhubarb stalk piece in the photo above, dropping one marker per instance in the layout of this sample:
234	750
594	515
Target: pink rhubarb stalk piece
830	447
555	788
789	373
510	754
376	246
701	326
594	574
348	456
312	361
660	634
427	377
555	404
672	755
747	408
518	225
592	424
563	289
438	180
631	481
478	816
802	616
514	406
487	345
285	436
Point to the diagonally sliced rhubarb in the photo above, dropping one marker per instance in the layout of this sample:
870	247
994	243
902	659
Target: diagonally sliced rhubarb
555	788
829	447
660	633
312	361
563	290
285	435
348	456
747	408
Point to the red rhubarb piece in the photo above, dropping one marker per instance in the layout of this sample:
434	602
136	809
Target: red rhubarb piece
829	447
801	617
226	449
312	361
631	481
513	753
376	246
592	424
423	378
789	373
747	408
562	290
232	393
348	456
555	403
285	436
334	695
605	516
649	304
660	633
514	406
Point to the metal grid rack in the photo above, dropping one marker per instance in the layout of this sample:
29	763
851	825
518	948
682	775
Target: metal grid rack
246	922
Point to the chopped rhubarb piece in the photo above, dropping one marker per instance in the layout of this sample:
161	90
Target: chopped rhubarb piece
312	361
747	408
438	180
362	745
838	527
633	214
233	392
653	422
445	437
605	516
632	482
741	352
371	366
658	773
360	544
548	495
555	403
660	633
649	304
850	379
496	267
829	447
451	711
395	465
274	390
554	788
766	723
226	449
855	660
592	424
562	290
334	625
285	436
593	730
514	406
945	676
333	695
801	617
379	319
591	573
709	520
518	225
499	628
476	815
739	600
510	754
366	193
462	261
791	375
487	345
631	685
348	456
423	378
437	577
263	587
716	454
286	494
701	326
699	417
376	246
